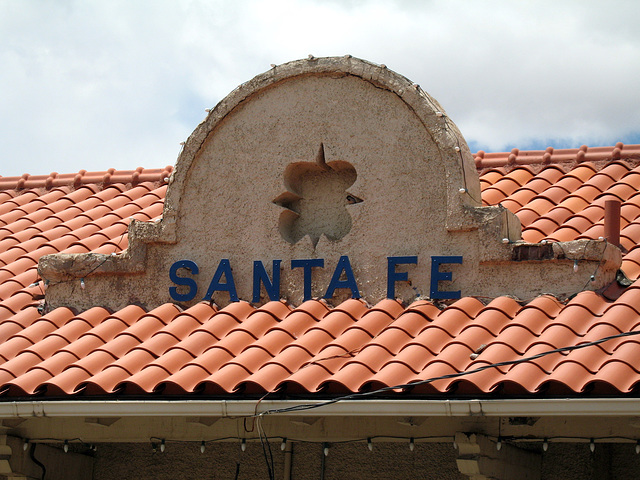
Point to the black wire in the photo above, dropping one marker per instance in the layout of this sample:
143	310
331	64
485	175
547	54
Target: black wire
273	469
32	455
266	451
448	128
599	263
436	438
90	272
464	173
584	255
450	131
358	395
158	439
107	256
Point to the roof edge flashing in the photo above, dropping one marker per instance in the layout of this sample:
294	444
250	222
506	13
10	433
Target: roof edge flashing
609	407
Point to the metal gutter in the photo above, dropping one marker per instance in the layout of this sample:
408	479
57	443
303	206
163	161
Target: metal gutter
608	407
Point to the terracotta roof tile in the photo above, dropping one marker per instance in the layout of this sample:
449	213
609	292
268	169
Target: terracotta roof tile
433	338
524	195
490	177
557	194
631	263
14	304
544	225
575	203
17	323
616	169
18	201
601	181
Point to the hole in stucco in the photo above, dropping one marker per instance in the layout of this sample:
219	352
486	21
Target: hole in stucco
316	199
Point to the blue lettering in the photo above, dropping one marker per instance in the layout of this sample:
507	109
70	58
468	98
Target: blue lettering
185	288
260	276
183	281
438	276
393	276
349	282
224	268
307	265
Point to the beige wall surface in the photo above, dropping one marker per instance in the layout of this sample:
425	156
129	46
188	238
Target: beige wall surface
345	461
563	461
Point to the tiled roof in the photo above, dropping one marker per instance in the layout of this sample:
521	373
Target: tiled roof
315	348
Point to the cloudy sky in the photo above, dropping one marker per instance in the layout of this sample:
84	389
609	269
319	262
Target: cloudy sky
99	84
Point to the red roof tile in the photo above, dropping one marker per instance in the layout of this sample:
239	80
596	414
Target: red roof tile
242	350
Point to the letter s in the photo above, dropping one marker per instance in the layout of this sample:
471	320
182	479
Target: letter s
183	281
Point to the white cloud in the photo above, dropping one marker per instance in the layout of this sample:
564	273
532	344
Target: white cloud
99	84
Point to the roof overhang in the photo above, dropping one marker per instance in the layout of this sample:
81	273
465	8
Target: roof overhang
194	421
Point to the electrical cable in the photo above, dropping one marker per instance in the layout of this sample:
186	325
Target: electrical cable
451	134
266	449
431	438
323	459
358	395
84	276
32	455
592	278
450	131
115	249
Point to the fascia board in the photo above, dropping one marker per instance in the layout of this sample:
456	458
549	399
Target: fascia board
243	408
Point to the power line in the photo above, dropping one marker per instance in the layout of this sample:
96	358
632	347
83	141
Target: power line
359	395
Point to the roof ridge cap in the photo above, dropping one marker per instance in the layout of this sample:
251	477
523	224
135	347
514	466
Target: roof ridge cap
104	178
566	157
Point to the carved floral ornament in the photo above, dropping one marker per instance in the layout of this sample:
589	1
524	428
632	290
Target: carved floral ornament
316	199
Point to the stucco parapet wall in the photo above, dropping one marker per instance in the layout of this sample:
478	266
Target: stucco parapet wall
563	269
63	267
443	131
409	167
597	252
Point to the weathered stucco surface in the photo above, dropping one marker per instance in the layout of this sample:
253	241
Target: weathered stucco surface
353	461
416	187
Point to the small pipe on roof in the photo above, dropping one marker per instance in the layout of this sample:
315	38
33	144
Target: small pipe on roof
612	221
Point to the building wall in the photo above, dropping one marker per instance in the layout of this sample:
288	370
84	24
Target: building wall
346	461
387	460
184	461
575	460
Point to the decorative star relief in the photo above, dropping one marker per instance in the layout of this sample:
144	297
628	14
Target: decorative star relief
316	199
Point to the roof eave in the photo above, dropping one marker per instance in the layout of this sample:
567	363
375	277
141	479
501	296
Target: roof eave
246	408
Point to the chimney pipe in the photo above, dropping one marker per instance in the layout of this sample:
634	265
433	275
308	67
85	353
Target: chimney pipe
612	221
